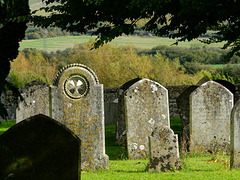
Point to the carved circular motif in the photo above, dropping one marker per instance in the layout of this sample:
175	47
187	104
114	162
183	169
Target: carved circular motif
76	86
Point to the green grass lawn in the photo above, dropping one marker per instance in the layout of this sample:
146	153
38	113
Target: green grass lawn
195	166
5	125
61	43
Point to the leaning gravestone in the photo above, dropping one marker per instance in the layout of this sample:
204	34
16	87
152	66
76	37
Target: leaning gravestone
40	148
183	109
146	105
210	108
235	136
83	112
121	138
163	149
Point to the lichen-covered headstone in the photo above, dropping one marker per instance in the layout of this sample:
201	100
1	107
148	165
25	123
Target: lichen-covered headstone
83	112
163	148
210	109
235	137
146	107
36	100
40	148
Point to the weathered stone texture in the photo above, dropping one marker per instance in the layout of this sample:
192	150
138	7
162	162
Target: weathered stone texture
83	112
210	108
235	137
146	106
173	93
121	138
111	106
163	148
40	148
36	100
183	108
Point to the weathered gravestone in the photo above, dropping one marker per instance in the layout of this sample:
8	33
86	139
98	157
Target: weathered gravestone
183	109
235	137
163	149
83	112
36	100
146	107
121	138
39	98
210	108
40	148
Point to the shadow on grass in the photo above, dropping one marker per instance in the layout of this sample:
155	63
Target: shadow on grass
114	151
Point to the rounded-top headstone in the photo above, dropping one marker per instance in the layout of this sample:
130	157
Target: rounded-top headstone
81	109
75	80
210	109
146	105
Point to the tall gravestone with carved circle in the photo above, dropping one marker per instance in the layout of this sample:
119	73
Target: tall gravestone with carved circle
83	112
146	107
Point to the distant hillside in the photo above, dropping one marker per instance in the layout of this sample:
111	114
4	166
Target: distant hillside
34	4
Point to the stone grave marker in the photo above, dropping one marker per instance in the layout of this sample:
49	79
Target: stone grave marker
121	138
36	100
235	137
146	107
83	112
210	108
40	148
163	148
183	109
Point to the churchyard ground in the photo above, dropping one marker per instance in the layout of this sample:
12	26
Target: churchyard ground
195	166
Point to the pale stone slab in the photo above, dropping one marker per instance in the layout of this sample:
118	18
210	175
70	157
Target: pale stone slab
210	108
164	152
121	138
235	137
83	112
146	107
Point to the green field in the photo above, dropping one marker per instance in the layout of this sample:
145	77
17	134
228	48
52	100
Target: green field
195	166
61	43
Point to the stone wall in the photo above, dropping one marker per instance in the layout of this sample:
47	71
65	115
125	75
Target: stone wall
110	102
9	100
173	93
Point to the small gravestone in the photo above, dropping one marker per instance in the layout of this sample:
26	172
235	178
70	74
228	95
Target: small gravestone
163	148
40	148
210	109
36	100
235	137
82	111
146	107
183	109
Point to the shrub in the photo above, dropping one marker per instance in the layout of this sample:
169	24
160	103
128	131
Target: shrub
32	65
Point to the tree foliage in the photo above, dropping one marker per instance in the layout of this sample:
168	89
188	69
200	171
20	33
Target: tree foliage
13	18
183	19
